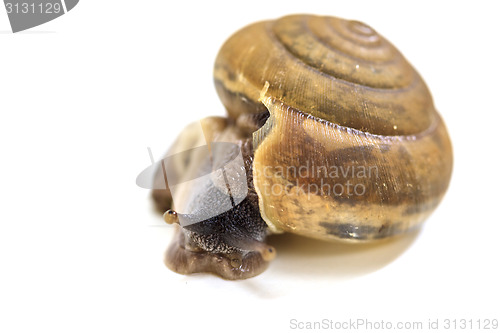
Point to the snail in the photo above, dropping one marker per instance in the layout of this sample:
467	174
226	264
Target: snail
330	134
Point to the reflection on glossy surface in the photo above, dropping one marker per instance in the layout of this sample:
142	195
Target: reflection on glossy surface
309	258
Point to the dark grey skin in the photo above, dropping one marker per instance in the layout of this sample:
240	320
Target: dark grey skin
230	244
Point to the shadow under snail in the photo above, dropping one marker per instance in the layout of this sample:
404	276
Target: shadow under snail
330	134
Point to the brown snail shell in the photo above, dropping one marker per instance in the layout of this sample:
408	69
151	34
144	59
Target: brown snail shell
339	136
341	99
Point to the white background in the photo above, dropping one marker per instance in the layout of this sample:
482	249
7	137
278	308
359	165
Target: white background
83	96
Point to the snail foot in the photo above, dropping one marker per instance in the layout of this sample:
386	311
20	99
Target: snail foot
230	266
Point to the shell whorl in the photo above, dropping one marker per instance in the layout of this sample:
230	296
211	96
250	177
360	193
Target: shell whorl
337	70
341	99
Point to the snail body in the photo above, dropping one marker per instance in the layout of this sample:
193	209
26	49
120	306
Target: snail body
338	136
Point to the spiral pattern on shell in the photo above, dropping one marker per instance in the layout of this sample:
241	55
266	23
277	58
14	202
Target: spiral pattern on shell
340	97
334	69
